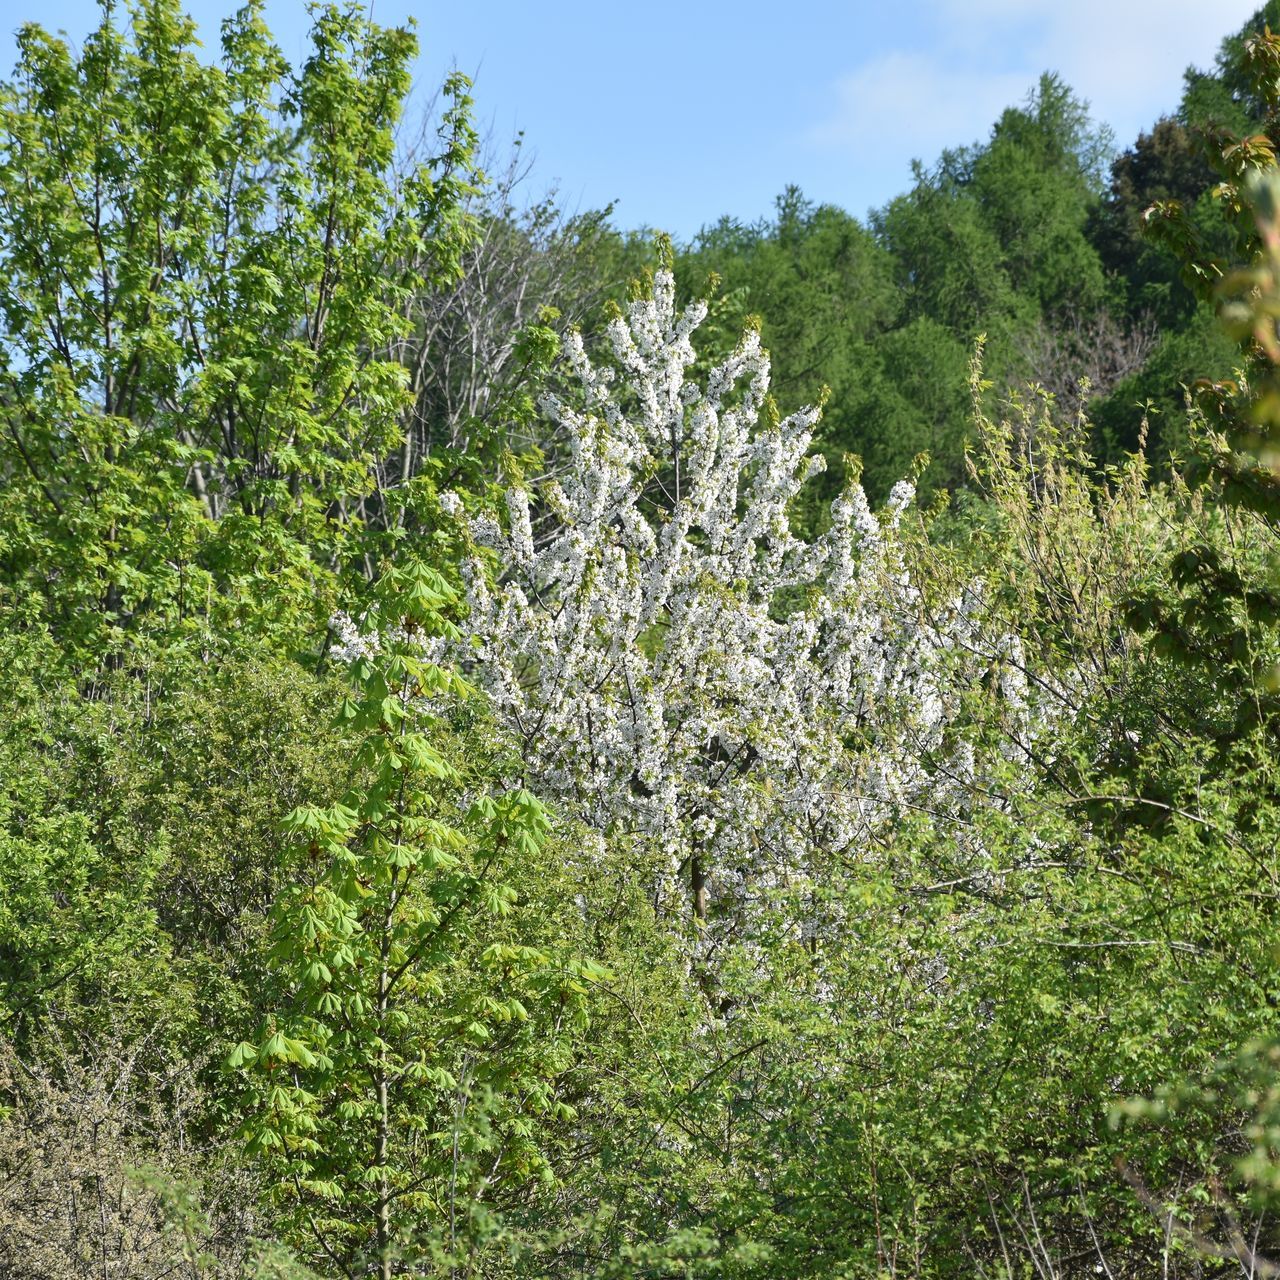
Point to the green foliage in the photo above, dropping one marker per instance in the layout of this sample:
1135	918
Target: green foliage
396	1088
1165	164
80	941
1228	96
1219	608
206	273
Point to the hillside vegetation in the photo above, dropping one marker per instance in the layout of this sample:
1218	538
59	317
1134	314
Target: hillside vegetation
534	750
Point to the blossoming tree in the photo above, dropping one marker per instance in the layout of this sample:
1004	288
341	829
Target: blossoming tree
678	664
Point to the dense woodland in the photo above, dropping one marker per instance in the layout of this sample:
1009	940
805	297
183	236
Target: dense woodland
533	750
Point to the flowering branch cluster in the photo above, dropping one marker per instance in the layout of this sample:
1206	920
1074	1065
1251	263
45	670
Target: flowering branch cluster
678	664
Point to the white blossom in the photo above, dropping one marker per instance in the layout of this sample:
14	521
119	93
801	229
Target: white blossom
678	664
353	641
350	642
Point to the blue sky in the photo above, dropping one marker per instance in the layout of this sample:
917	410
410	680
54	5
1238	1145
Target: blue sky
682	110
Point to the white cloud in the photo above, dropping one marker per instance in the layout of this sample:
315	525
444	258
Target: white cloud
905	105
1126	57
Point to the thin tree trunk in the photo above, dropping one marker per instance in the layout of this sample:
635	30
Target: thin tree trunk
380	1139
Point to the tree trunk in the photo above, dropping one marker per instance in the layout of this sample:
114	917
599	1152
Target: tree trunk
380	1139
